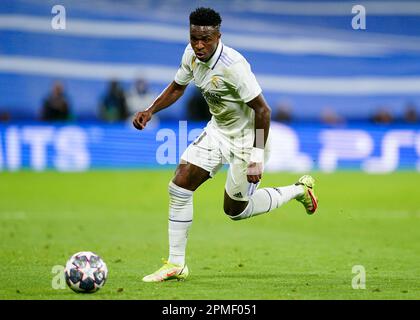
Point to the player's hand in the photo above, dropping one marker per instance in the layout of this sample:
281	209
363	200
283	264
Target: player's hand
254	172
141	118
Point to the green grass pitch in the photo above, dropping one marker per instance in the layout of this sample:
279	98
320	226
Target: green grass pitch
368	220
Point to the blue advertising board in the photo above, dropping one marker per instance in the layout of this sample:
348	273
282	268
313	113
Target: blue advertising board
295	148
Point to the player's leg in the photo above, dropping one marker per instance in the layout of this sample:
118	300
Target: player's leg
200	162
242	202
188	177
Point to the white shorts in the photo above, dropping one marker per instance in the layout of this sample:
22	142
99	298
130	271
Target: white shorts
210	151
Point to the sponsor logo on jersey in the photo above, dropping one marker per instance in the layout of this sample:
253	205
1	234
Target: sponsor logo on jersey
213	99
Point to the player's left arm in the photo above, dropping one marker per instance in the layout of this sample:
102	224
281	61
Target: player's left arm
262	128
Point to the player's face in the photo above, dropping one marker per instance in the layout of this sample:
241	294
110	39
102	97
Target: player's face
204	41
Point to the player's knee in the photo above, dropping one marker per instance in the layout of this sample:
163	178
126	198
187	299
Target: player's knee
179	195
234	214
181	179
228	211
234	211
190	177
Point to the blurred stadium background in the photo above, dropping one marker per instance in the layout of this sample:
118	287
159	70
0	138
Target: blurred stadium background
342	98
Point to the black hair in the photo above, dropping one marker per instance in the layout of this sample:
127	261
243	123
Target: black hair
205	17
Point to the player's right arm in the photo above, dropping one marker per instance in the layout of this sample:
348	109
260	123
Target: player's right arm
168	96
172	93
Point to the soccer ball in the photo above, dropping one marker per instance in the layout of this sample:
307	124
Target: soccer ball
85	272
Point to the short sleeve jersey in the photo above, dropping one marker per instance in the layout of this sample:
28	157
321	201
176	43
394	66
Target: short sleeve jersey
227	84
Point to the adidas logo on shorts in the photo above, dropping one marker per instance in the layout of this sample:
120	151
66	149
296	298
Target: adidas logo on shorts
238	195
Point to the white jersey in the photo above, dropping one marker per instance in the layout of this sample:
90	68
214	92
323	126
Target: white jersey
227	83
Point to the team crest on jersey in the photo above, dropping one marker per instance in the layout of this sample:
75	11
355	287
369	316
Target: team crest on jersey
215	81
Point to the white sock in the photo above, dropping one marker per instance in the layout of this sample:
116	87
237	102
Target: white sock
180	221
267	199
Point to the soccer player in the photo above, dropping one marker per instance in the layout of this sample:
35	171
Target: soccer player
237	134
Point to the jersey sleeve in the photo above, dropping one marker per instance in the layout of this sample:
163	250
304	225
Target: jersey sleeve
244	80
184	74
